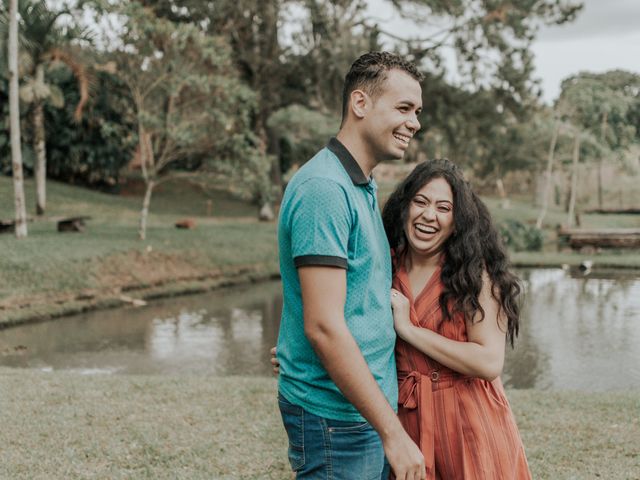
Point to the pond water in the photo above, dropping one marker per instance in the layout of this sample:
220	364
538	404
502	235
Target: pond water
577	333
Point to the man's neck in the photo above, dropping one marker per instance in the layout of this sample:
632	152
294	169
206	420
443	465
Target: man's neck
358	149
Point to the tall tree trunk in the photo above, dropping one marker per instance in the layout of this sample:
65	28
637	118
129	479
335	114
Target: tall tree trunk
266	82
148	167
40	148
273	148
600	163
504	203
142	231
549	172
574	180
14	109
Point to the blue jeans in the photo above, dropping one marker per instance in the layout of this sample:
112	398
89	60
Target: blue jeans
320	448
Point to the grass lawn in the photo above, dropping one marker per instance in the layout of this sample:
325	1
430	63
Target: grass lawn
170	200
63	425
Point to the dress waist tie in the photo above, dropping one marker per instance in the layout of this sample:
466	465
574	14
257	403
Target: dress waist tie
414	391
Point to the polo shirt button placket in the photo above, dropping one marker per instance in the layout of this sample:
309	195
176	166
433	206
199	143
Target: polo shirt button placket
372	194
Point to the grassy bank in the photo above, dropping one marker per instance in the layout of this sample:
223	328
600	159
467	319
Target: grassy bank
61	425
51	274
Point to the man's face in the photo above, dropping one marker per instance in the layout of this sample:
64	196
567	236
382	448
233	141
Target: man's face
392	118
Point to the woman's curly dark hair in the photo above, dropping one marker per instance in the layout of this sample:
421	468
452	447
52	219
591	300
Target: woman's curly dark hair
473	247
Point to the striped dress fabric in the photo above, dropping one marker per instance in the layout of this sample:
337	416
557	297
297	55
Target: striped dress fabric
463	425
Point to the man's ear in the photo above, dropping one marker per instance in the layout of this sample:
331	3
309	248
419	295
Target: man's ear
359	103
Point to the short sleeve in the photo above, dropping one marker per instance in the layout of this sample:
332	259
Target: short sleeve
320	224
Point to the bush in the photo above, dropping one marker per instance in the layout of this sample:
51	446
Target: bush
300	133
520	237
94	151
91	152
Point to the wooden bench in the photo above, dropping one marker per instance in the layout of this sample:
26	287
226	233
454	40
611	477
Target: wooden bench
579	238
614	211
72	224
7	226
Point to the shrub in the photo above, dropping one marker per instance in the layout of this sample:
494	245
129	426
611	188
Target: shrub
520	237
300	133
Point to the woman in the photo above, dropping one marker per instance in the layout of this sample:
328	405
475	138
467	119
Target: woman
455	305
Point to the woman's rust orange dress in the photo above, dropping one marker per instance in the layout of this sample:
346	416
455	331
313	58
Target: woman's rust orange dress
463	425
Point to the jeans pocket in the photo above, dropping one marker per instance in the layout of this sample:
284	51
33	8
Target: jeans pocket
338	426
356	450
293	420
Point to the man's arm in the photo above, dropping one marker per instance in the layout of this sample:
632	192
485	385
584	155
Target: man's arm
323	296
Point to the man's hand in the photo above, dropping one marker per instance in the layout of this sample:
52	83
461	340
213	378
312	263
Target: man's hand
401	313
274	361
404	456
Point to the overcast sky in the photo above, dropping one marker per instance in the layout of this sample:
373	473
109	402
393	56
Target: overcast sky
605	36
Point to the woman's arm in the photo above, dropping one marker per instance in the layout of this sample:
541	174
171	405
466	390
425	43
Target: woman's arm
481	356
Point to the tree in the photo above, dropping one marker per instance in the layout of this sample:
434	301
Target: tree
300	133
477	119
188	102
94	151
16	153
45	43
606	106
548	174
251	29
491	39
330	37
307	69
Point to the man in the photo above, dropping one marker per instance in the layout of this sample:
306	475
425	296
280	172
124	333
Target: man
337	384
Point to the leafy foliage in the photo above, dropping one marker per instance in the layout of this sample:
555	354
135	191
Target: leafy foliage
187	101
91	152
44	40
491	39
94	151
606	103
520	237
300	133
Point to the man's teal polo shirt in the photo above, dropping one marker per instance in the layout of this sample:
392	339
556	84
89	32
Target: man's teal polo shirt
329	216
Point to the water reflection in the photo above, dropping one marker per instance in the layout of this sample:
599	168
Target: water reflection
228	332
576	333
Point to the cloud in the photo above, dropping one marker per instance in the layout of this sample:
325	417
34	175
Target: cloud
597	19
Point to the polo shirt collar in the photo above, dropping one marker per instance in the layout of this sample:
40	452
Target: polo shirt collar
348	162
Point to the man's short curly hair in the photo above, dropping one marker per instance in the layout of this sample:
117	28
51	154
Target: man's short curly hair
369	72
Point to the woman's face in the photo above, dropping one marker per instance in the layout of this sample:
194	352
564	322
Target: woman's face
430	220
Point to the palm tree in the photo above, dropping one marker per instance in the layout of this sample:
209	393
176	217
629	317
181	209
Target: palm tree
16	153
11	49
44	42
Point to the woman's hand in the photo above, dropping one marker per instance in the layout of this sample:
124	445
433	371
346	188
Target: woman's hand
401	308
274	361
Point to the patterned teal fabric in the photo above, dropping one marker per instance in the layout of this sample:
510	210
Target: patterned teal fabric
330	216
